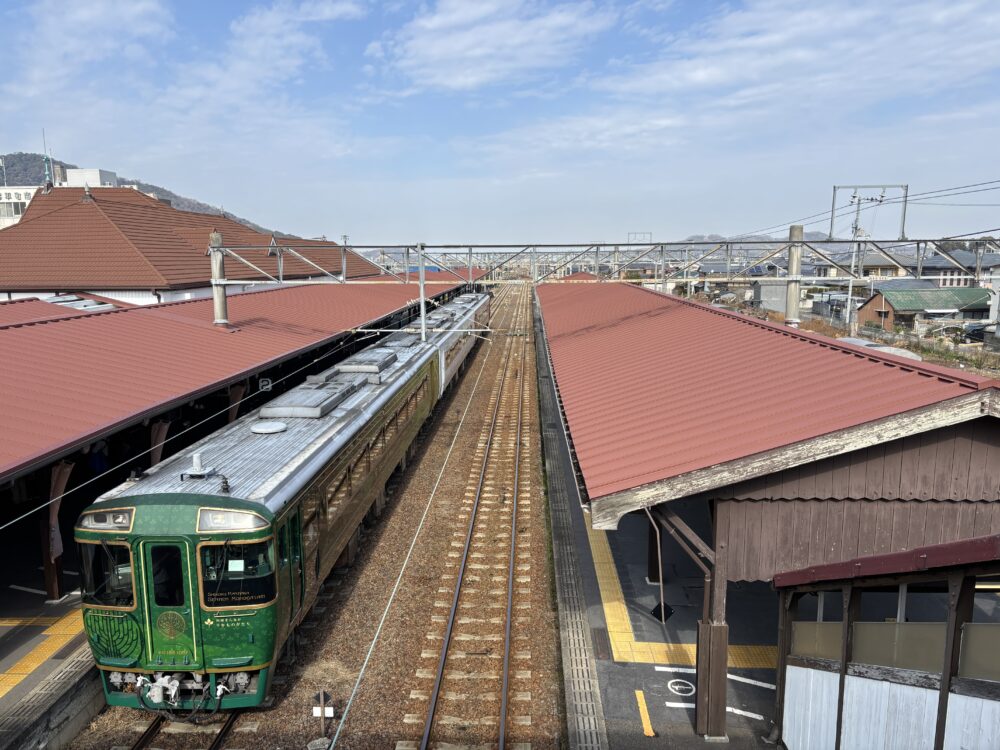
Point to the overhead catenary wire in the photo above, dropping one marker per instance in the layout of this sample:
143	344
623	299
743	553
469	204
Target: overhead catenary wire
825	215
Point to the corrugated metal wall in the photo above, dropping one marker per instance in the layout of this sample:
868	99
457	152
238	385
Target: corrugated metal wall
810	719
769	536
954	463
888	715
973	723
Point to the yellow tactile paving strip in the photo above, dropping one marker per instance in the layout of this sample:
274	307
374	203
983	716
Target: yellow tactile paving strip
11	622
59	632
624	646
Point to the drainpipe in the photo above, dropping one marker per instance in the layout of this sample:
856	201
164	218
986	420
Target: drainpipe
220	305
794	278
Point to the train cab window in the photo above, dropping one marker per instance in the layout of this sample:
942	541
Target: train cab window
107	574
168	575
237	575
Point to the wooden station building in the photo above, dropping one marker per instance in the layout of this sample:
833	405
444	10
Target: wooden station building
805	450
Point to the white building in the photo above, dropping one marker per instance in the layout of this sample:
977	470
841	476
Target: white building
89	178
13	202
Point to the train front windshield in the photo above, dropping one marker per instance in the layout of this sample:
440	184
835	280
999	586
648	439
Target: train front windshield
237	575
107	574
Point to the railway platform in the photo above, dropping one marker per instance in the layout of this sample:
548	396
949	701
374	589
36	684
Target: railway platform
48	687
630	679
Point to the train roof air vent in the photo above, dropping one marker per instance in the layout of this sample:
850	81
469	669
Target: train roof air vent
268	427
368	361
312	401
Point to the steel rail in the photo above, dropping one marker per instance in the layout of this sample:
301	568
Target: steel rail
494	313
157	724
151	731
513	550
453	612
224	731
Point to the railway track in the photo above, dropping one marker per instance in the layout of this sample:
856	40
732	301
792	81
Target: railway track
476	643
156	725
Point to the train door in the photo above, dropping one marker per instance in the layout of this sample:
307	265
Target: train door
290	544
171	628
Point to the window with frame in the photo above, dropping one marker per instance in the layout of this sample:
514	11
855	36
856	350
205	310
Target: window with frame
238	575
107	574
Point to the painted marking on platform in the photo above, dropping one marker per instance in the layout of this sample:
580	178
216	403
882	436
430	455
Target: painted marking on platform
729	709
686	670
624	646
647	727
741	712
758	683
29	590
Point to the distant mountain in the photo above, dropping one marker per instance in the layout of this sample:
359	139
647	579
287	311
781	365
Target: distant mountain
29	169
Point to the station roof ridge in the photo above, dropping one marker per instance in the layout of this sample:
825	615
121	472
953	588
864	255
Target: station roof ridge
778	389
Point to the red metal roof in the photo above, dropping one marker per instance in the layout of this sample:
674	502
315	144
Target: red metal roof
71	379
32	310
119	238
950	554
654	386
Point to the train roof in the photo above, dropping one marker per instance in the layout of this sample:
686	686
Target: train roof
262	454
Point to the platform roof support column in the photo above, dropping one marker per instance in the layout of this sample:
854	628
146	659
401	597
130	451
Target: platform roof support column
713	640
236	392
794	278
157	436
52	547
961	599
220	305
423	300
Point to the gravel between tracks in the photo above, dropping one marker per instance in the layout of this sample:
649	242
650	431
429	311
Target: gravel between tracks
336	636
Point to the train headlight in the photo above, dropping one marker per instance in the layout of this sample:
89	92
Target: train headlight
229	520
107	520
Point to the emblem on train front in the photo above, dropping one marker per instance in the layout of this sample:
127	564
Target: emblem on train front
170	624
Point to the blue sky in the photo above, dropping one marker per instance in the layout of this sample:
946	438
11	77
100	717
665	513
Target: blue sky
517	121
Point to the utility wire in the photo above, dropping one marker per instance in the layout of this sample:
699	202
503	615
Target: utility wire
848	205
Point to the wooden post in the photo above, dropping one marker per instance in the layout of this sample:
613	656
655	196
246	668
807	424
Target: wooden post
157	434
851	608
713	640
786	614
52	546
236	391
961	597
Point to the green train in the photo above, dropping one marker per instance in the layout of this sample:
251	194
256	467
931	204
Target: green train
196	573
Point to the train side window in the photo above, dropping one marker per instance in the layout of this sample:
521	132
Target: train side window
283	545
168	575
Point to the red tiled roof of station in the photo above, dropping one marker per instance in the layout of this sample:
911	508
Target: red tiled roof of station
655	386
119	238
71	379
577	276
33	310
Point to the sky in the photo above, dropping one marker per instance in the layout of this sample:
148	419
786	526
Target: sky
516	120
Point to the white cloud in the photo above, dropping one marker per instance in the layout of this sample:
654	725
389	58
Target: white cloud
64	38
847	54
462	46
